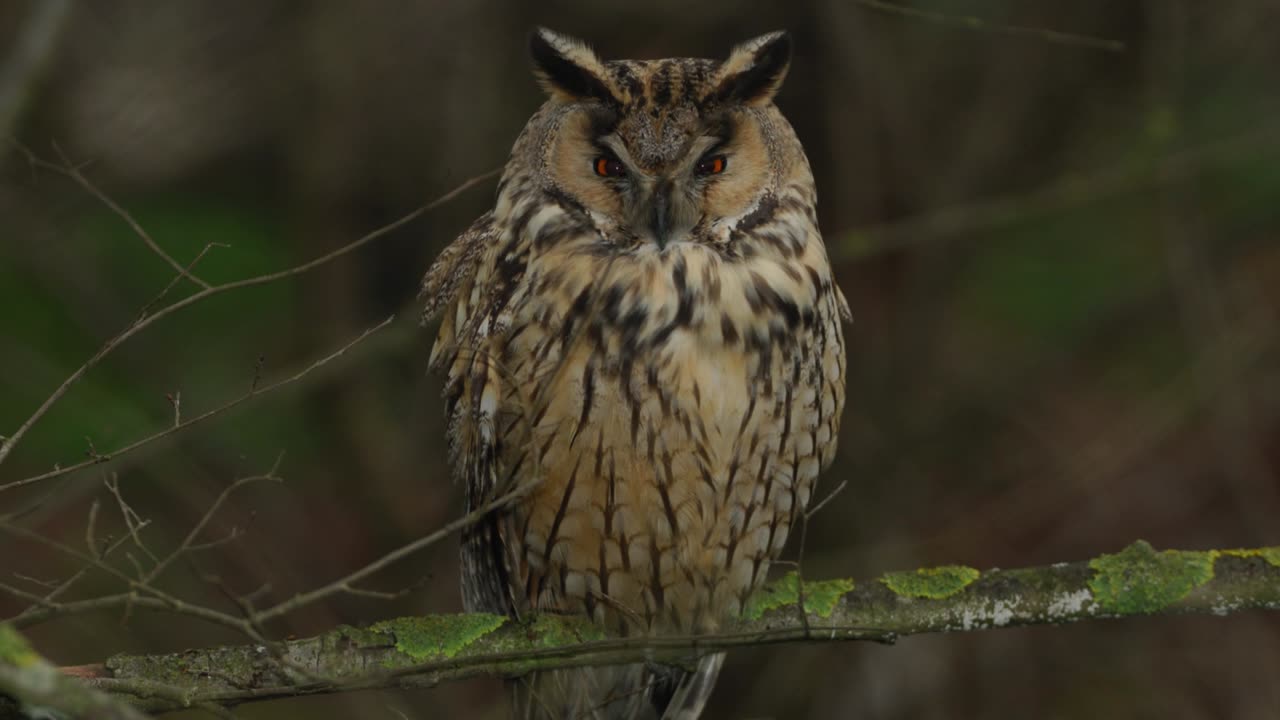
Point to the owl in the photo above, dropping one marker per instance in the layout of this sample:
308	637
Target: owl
644	360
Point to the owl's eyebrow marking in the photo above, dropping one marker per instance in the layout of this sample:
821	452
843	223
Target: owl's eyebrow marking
719	125
613	145
705	145
602	121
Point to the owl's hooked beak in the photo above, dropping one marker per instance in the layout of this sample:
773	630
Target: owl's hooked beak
667	215
660	217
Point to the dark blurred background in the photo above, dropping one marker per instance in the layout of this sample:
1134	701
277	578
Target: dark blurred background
1062	262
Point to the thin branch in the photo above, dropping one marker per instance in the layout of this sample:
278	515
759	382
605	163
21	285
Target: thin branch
91	530
829	497
133	522
6	447
253	392
49	601
347	584
168	600
173	282
43	610
1064	192
144	594
1136	581
189	542
72	171
970	22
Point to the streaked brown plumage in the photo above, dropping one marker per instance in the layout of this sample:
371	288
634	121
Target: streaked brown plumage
644	333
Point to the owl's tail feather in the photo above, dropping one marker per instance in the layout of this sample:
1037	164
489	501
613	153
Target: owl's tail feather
623	692
693	689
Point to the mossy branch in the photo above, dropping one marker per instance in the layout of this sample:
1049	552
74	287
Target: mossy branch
29	684
426	651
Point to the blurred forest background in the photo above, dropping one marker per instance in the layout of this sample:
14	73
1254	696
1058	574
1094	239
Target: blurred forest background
1062	262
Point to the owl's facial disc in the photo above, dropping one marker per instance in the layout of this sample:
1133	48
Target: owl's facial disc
661	204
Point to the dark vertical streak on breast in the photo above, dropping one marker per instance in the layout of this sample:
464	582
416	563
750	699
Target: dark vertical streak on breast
564	506
588	398
609	508
655	562
664	493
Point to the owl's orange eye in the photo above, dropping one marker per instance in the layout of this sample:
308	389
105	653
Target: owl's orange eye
713	165
609	167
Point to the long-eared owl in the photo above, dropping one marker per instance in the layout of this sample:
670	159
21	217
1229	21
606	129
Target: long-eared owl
642	343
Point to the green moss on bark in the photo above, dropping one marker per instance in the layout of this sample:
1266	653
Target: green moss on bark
933	583
1270	554
560	630
1139	580
820	597
14	649
438	636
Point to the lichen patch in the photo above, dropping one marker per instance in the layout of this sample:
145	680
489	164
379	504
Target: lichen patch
820	597
438	636
931	583
1139	580
14	649
1069	604
1270	554
561	630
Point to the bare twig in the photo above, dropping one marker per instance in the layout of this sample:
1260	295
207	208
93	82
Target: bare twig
173	282
830	496
133	522
189	542
91	529
347	584
1065	192
35	580
168	600
175	400
801	609
970	22
48	602
43	610
208	415
6	447
230	537
143	593
72	171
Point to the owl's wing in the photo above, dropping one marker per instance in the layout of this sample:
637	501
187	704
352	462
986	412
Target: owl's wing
460	283
842	305
455	267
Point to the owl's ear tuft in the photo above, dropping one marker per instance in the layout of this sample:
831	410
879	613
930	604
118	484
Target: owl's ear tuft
567	69
755	70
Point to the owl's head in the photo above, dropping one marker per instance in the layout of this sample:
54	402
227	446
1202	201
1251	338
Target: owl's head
661	151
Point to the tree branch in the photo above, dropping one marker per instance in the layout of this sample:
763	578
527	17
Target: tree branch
181	424
1066	192
26	676
426	651
970	22
143	321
